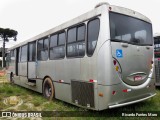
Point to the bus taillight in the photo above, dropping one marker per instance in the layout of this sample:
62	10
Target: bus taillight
114	62
113	92
92	81
117	66
126	90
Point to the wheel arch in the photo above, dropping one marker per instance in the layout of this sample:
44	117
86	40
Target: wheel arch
47	76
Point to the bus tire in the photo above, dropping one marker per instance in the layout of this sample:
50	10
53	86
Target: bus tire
48	89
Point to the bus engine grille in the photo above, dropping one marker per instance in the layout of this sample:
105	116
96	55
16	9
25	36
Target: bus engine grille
157	72
83	93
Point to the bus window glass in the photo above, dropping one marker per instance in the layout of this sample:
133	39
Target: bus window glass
19	55
71	50
126	37
32	51
76	48
71	35
61	39
46	43
58	52
57	46
61	45
81	41
42	52
53	41
138	31
140	36
24	53
81	33
39	49
92	35
81	48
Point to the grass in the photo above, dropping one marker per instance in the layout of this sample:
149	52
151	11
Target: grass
3	79
33	101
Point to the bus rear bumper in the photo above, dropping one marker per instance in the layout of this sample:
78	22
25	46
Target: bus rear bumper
132	102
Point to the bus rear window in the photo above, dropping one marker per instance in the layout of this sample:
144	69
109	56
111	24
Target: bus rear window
129	29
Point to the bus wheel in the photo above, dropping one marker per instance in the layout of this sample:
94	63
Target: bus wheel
11	78
48	89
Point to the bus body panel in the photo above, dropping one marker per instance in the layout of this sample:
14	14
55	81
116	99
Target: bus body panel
121	97
63	92
32	69
89	65
135	61
43	69
71	66
23	81
38	87
17	80
22	69
106	76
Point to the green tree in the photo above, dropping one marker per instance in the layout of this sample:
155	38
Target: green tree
6	35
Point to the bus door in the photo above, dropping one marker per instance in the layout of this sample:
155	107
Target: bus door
132	50
16	61
32	60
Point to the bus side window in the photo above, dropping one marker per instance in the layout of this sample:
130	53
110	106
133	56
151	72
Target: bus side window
71	39
53	44
32	51
45	49
19	57
76	41
42	49
61	45
57	46
92	35
81	40
24	53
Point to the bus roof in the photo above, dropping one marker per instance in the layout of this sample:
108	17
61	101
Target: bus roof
99	9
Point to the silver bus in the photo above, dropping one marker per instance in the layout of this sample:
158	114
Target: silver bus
101	59
157	58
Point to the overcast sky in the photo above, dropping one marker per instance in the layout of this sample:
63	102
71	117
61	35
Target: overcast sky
32	17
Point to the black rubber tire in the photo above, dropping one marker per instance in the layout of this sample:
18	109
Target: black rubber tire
48	89
11	78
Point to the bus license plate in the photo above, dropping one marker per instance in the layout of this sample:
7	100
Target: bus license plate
137	78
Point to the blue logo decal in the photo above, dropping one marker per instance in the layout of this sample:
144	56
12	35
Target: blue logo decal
119	53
